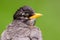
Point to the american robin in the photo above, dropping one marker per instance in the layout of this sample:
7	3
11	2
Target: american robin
23	26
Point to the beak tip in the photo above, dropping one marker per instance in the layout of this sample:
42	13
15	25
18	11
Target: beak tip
39	14
36	16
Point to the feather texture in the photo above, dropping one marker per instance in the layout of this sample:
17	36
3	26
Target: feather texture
20	31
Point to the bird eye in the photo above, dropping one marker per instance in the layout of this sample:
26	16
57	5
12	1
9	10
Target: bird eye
26	14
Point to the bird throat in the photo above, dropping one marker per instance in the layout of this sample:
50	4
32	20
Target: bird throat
26	23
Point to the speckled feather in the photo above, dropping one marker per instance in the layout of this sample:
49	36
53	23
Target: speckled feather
22	28
18	30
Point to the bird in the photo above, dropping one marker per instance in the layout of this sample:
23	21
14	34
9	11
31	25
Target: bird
23	26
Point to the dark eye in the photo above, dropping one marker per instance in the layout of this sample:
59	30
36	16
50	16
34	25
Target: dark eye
26	14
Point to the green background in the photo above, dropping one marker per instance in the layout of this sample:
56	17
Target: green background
49	23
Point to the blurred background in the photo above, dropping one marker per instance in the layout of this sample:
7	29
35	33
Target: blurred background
49	23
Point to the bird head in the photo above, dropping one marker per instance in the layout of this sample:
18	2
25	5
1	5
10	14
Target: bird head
26	15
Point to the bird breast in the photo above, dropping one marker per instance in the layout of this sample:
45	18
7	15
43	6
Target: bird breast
20	32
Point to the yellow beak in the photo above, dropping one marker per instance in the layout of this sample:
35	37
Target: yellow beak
36	15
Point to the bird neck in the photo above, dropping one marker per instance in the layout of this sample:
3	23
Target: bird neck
26	24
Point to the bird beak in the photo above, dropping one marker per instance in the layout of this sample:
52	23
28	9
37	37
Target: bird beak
36	15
